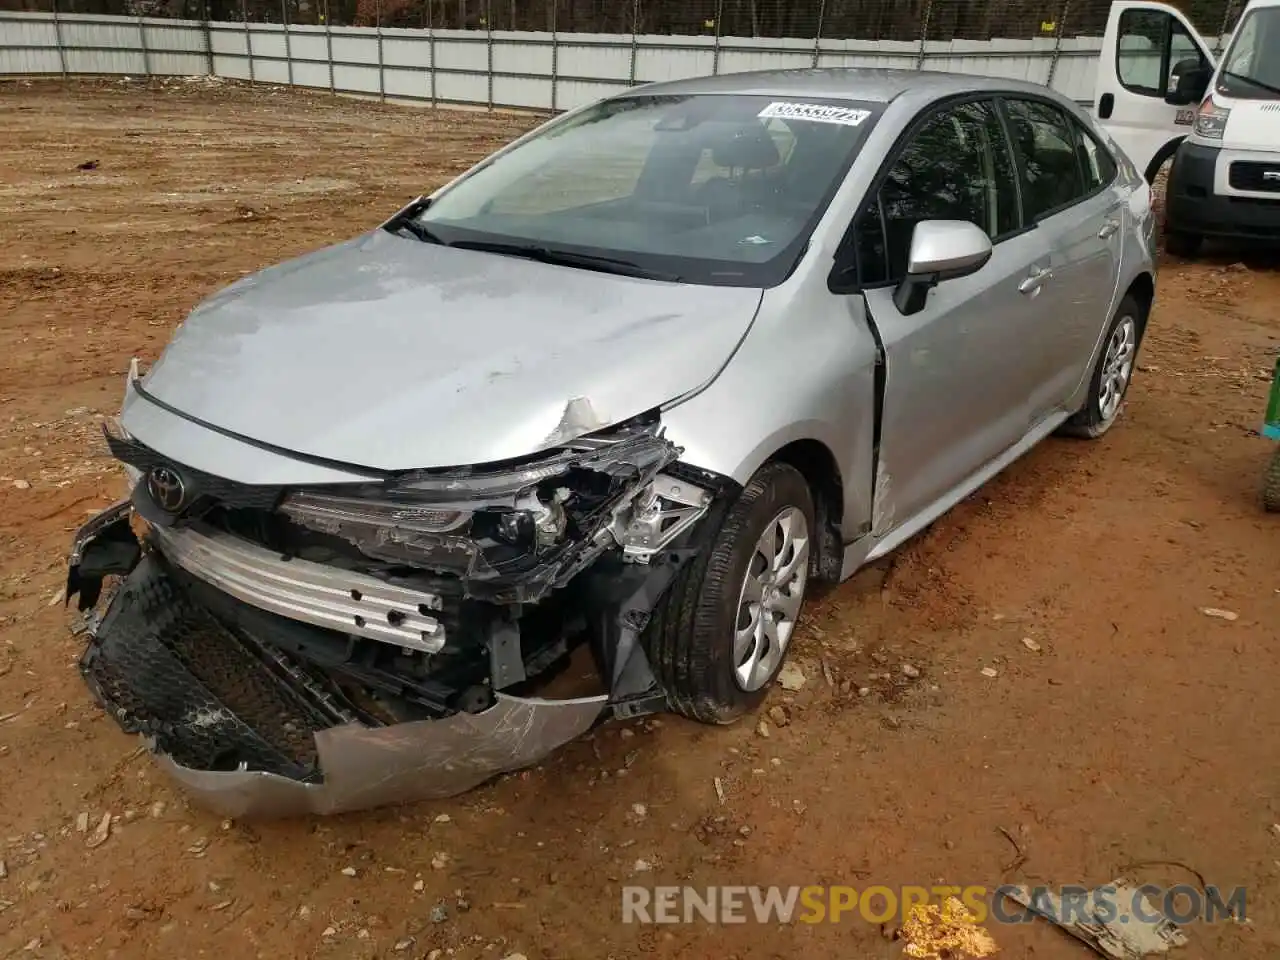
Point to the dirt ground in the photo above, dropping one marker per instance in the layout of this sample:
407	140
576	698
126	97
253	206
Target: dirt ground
1131	728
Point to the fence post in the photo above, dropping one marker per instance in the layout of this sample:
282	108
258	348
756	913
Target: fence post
635	29
382	81
288	53
248	37
488	43
817	37
431	50
924	33
1226	19
142	39
555	54
1059	29
328	45
207	32
715	52
57	38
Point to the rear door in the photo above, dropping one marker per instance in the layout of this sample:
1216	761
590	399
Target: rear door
1146	47
960	373
1067	182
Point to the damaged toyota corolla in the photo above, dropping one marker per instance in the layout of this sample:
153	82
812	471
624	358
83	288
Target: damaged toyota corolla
614	397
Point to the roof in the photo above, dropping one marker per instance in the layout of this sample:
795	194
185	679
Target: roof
847	83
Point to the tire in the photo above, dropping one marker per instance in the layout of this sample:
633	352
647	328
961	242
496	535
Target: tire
1102	408
1271	485
692	639
1183	244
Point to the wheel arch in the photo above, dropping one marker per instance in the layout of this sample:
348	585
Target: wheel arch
1143	290
815	461
1162	156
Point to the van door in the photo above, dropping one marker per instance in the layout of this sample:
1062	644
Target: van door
1147	48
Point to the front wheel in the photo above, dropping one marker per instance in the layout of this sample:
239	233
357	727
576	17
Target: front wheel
1111	375
723	631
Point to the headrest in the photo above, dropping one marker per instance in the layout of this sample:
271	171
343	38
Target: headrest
748	147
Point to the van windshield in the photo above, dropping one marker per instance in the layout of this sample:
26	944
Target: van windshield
714	188
1251	66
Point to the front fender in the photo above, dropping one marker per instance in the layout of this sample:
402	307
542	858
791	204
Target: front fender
806	371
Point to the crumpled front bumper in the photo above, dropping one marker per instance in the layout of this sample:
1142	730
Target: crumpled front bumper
237	731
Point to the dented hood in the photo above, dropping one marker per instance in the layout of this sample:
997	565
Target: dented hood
394	354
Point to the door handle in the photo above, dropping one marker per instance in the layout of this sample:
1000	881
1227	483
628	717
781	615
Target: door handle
1108	228
1035	280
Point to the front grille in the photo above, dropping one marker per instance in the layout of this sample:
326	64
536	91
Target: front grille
201	487
165	668
1251	175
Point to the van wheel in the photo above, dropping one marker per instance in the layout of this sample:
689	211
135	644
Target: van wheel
1183	244
723	631
1111	374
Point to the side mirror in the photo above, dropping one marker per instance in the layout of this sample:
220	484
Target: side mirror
1188	82
940	250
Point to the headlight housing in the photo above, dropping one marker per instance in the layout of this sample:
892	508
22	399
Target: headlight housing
1211	120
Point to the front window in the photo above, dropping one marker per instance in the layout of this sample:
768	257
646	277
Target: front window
1251	66
719	189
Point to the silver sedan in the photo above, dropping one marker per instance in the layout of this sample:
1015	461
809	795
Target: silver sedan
625	388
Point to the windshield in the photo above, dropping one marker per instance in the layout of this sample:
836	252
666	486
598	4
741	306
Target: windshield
716	189
1251	66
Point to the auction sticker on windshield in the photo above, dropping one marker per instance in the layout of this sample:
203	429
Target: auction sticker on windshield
817	112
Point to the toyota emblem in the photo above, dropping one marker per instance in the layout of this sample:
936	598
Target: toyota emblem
166	488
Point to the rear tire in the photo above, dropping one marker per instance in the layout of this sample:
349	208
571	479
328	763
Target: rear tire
1183	244
1271	485
734	602
1112	374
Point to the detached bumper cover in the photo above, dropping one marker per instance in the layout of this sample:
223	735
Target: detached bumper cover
243	740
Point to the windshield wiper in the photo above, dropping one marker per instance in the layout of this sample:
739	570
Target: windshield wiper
407	219
418	230
587	261
1249	80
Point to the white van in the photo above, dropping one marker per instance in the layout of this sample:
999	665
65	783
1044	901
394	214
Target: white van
1160	95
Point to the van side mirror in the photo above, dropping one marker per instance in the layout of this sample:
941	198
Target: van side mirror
940	250
1188	82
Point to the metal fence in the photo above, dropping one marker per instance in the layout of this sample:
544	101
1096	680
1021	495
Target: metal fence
555	54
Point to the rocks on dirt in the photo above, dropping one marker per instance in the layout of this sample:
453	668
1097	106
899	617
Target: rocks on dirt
990	672
1219	614
779	716
1031	645
439	860
22	485
642	866
762	729
348	871
100	833
910	672
439	913
791	677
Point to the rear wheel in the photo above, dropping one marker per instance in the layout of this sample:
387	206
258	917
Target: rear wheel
724	630
1111	374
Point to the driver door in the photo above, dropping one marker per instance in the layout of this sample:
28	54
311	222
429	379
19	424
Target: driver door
960	373
1146	48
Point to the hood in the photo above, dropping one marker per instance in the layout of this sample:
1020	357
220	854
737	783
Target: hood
394	354
1252	125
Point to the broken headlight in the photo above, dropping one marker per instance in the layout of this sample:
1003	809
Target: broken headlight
400	528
